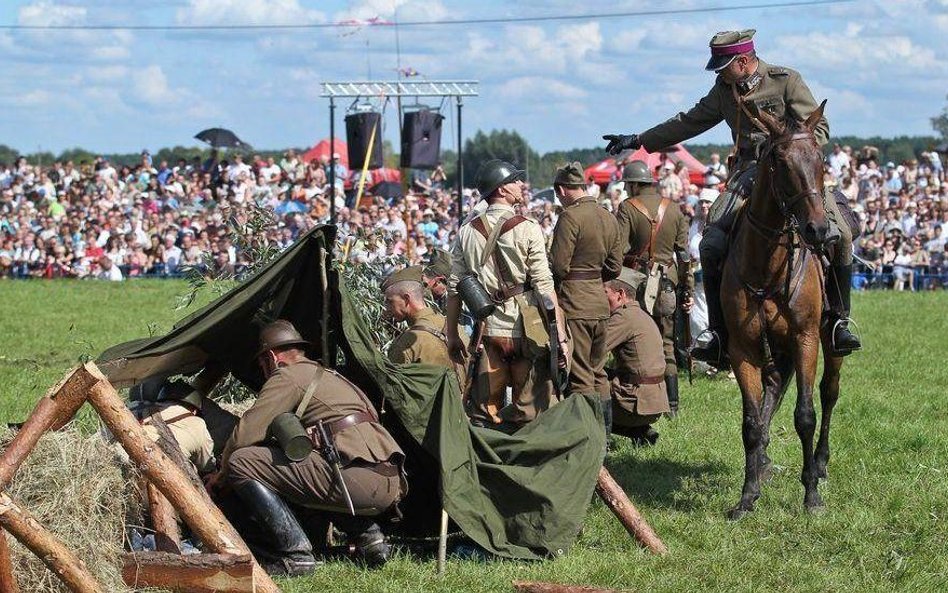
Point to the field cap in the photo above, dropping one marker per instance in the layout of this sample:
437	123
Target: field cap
727	45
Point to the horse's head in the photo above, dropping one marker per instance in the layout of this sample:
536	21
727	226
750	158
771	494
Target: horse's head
794	162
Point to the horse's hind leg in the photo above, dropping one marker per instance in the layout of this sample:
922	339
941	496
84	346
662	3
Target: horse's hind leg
775	385
804	418
752	428
829	394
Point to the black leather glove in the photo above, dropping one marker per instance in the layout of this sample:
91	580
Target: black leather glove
620	142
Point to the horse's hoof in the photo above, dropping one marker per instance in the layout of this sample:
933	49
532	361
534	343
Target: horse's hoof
736	513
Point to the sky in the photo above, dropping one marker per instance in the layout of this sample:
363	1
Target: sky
882	66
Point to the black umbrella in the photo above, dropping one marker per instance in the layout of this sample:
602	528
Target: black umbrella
221	138
943	147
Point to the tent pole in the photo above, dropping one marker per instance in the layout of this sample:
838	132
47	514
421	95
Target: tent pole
460	166
443	542
324	317
332	165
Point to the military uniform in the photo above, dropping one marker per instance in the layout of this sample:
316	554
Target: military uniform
424	342
371	460
637	384
669	249
586	250
515	274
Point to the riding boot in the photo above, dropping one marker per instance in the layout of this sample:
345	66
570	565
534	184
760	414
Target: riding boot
366	537
671	386
713	351
284	549
838	294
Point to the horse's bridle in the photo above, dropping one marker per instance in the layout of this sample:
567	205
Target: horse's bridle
786	204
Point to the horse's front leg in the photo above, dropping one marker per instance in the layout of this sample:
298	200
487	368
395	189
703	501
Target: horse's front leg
829	394
752	434
804	417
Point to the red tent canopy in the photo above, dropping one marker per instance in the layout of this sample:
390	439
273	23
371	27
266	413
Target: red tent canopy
322	149
606	171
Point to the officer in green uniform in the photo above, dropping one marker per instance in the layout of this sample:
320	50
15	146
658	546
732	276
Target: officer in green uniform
655	239
586	250
424	341
781	92
264	478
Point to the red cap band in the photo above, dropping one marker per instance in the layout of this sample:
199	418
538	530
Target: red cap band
730	50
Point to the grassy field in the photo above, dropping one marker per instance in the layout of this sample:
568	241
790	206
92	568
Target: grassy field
886	524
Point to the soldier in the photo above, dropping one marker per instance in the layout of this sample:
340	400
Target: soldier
264	478
506	254
638	377
436	277
744	79
586	250
424	341
655	233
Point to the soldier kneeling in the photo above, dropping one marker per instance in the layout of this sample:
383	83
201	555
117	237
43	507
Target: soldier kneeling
352	475
637	386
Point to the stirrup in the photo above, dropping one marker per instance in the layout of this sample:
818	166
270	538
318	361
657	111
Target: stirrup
850	323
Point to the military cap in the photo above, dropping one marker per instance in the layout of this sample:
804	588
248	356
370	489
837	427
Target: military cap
570	174
638	172
409	274
727	45
278	334
631	278
439	264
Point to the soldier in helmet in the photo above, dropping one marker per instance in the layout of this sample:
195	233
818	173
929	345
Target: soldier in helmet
264	478
586	250
745	81
655	235
506	254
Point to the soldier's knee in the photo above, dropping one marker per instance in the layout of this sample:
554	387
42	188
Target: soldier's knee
712	247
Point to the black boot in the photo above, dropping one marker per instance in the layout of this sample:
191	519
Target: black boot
714	350
641	436
366	537
284	550
607	414
838	286
671	386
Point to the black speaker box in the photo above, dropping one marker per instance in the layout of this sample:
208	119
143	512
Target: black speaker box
421	139
358	131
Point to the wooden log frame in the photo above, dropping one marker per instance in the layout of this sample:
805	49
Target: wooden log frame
54	410
618	502
196	573
7	581
540	587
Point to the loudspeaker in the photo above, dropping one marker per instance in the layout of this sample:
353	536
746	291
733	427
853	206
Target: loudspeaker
421	139
358	131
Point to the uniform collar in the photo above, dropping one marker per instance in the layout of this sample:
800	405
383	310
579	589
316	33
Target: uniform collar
425	314
499	207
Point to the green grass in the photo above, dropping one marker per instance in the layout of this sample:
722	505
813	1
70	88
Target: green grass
886	523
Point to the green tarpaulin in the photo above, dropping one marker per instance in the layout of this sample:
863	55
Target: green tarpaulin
506	492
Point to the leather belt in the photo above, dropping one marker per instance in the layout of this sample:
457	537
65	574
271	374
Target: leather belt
584	275
337	426
501	295
640	380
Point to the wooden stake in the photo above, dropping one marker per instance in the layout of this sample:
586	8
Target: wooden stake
538	587
54	554
206	521
443	542
195	573
617	501
7	580
164	521
52	412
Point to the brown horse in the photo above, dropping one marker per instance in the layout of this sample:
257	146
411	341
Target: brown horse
774	297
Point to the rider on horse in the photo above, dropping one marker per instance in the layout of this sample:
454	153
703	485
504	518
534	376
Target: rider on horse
745	79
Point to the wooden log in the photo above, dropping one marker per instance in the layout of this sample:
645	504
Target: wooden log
164	520
7	580
195	573
206	521
618	502
52	412
538	587
54	553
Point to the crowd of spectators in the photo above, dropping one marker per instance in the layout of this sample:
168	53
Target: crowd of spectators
100	220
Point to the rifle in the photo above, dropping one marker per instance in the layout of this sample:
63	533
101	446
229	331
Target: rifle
477	350
557	374
331	454
687	336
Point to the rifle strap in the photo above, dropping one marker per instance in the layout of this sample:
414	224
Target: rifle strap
310	391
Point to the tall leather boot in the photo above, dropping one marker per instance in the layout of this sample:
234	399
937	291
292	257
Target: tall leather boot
366	536
713	351
671	386
838	286
284	550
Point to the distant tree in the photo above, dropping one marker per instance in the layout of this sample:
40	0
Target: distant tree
940	123
498	144
76	155
8	155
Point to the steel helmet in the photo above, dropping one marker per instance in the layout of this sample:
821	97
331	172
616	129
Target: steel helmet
638	172
495	173
279	334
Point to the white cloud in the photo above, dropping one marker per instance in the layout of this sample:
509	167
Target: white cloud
246	12
46	13
150	85
539	89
